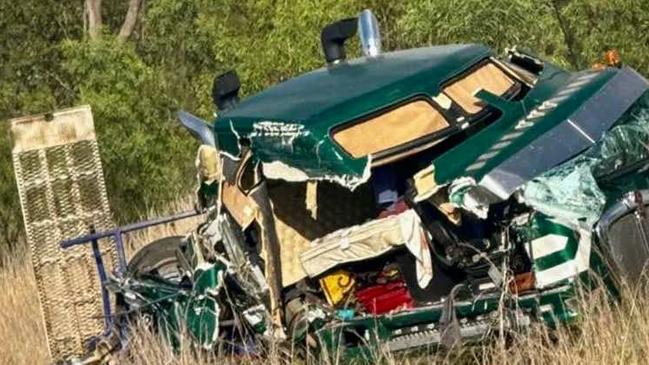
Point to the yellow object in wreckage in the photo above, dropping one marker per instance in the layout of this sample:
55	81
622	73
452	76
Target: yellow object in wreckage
337	286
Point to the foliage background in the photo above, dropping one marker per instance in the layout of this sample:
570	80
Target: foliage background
47	62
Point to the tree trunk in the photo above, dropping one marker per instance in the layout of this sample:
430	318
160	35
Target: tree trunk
130	21
568	36
93	11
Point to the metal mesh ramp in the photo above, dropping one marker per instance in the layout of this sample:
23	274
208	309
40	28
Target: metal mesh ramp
62	193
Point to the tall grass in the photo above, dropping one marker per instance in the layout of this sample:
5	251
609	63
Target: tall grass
607	333
22	335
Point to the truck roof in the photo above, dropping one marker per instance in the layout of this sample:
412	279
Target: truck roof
338	93
288	126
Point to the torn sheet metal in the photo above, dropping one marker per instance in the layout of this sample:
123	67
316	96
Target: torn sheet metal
463	193
291	152
202	309
190	309
278	170
271	253
242	209
571	192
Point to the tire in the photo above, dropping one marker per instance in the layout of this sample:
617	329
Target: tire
157	258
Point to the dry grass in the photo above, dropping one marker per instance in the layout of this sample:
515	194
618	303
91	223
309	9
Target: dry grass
22	336
608	334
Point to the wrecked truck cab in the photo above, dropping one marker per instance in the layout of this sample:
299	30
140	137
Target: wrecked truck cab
402	199
398	195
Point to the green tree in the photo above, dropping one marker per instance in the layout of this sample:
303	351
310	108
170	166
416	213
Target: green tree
147	156
600	25
31	81
137	62
530	24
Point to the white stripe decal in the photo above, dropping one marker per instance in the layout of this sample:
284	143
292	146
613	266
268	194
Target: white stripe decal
548	245
570	268
476	165
546	308
494	186
500	145
567	91
488	155
559	98
511	135
579	82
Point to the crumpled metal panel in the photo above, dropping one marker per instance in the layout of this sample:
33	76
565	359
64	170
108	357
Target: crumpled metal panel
62	193
578	132
574	192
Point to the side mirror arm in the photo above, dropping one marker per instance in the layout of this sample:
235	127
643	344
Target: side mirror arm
198	128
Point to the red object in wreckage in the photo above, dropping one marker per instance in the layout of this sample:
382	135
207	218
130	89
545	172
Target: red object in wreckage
383	298
399	206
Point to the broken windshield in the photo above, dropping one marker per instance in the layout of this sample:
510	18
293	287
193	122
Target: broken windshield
577	191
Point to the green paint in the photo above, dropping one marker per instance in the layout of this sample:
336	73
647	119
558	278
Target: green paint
454	162
291	122
177	307
202	309
314	103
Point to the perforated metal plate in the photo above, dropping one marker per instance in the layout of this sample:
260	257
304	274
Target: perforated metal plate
62	193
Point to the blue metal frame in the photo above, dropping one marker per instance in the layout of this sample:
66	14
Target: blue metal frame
117	233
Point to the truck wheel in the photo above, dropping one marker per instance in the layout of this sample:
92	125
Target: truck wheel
157	258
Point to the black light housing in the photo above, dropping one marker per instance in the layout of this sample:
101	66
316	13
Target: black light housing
333	37
225	90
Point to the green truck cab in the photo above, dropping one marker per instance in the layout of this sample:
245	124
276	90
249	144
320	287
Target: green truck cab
410	198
